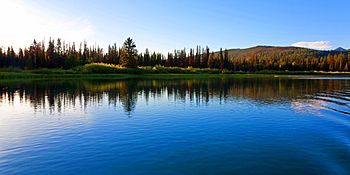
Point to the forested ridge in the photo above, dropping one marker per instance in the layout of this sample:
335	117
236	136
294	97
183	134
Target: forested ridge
58	54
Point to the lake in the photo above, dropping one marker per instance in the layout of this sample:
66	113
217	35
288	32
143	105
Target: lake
272	125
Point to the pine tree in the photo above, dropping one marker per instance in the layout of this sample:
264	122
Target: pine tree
222	67
226	60
20	57
197	60
182	58
129	58
170	60
341	61
330	62
191	59
211	61
176	59
205	60
346	68
146	58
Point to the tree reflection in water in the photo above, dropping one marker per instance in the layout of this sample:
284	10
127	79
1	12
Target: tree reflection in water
58	94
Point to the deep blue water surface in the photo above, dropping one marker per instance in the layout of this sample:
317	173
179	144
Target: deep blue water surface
180	126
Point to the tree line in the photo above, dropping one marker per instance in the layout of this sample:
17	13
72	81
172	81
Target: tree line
58	54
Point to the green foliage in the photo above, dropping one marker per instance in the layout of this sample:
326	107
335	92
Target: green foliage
100	68
158	69
103	68
128	54
70	62
256	59
50	71
11	69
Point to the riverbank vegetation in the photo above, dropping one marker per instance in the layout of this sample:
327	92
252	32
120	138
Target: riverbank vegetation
110	71
60	57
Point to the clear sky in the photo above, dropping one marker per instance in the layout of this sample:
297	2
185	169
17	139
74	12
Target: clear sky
165	25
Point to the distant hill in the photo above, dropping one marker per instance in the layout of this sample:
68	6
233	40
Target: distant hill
278	52
282	58
261	50
340	49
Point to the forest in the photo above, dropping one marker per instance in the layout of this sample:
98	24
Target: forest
62	55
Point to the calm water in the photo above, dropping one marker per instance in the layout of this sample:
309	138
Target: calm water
188	126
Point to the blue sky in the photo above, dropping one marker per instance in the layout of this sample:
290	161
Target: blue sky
164	25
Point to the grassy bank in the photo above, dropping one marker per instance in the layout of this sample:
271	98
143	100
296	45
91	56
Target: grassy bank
37	76
106	71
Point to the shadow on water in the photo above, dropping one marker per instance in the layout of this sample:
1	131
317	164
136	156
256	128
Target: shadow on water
331	94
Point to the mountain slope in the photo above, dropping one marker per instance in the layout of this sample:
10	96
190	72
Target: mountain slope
278	52
340	49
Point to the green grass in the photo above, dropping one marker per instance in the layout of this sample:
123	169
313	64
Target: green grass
25	75
108	71
115	69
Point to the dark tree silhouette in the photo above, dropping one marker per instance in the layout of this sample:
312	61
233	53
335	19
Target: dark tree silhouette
128	58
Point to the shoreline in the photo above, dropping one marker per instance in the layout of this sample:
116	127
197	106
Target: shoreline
120	76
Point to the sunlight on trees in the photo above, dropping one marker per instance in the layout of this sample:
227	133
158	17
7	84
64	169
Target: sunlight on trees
58	54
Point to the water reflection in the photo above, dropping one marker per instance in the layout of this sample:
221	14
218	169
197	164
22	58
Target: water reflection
332	94
179	126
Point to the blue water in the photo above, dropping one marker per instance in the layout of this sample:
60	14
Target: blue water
180	126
